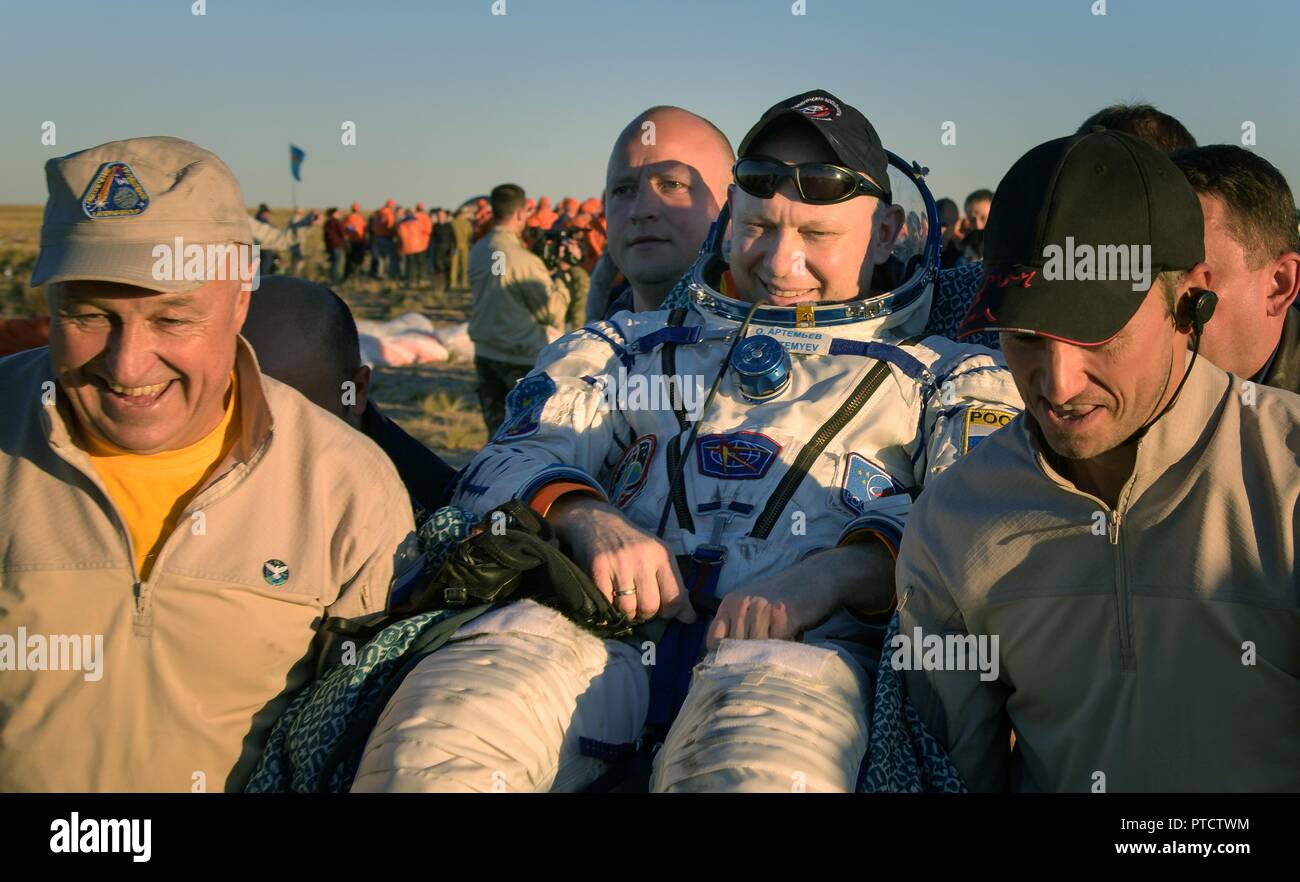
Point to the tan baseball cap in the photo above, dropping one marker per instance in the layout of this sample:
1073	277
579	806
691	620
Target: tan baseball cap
110	207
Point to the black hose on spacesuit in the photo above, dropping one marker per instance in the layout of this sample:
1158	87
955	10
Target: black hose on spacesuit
676	480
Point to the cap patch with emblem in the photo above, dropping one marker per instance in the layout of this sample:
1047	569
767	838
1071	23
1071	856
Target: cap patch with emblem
275	572
819	107
114	191
982	422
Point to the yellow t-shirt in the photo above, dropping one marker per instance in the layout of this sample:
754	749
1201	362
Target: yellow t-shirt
151	491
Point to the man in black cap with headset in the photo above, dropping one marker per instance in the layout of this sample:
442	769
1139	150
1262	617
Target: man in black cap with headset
1127	545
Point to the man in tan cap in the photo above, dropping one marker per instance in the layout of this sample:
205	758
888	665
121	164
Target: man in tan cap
178	528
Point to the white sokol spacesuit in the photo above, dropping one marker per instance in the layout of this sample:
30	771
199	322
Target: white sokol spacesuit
798	452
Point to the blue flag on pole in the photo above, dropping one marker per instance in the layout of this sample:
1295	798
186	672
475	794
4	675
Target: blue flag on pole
296	156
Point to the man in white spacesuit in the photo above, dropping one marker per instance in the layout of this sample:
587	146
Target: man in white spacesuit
779	501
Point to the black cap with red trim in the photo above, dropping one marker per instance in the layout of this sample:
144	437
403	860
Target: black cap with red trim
848	133
1078	230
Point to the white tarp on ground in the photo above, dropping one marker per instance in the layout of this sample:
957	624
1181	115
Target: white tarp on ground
456	339
412	339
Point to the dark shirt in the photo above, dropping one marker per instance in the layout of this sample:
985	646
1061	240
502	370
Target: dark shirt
334	234
444	240
1283	369
428	479
951	253
620	299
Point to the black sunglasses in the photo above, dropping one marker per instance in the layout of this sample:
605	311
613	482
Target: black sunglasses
818	183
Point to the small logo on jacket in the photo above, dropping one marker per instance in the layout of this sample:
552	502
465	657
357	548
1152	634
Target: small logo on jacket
275	572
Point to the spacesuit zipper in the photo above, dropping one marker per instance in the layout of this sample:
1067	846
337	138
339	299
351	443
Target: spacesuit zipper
680	504
791	480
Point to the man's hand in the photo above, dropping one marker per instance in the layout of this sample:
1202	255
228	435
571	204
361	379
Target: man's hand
784	606
632	568
773	609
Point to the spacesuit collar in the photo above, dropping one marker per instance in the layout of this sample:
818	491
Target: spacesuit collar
846	321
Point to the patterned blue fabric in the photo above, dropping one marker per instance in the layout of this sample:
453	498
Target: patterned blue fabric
953	293
317	717
679	296
903	757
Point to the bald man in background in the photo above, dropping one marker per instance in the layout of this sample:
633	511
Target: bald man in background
305	337
666	180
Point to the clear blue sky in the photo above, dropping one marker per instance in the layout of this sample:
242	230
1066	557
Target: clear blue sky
449	99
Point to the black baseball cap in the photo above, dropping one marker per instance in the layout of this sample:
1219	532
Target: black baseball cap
847	132
1106	192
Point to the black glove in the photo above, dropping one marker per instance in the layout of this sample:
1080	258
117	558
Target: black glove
512	554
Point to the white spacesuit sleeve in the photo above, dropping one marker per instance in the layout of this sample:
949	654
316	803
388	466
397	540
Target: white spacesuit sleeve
967	394
973	395
559	428
885	519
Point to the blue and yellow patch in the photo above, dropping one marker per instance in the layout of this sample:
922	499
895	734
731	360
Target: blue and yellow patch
632	471
740	455
114	191
865	481
524	407
982	422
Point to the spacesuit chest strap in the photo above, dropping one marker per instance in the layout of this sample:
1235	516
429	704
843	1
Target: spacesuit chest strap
808	455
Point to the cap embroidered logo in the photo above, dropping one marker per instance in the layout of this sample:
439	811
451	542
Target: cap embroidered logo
114	191
818	108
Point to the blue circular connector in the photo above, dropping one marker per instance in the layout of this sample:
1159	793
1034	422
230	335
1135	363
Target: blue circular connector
762	367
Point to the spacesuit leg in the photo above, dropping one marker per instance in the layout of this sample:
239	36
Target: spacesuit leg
503	706
769	716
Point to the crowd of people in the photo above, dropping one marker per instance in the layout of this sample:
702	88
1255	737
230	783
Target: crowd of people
993	524
410	243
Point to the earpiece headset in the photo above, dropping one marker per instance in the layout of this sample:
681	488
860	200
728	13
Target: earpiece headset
1197	312
1194	313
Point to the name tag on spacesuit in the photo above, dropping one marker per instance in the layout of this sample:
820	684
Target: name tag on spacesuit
797	341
